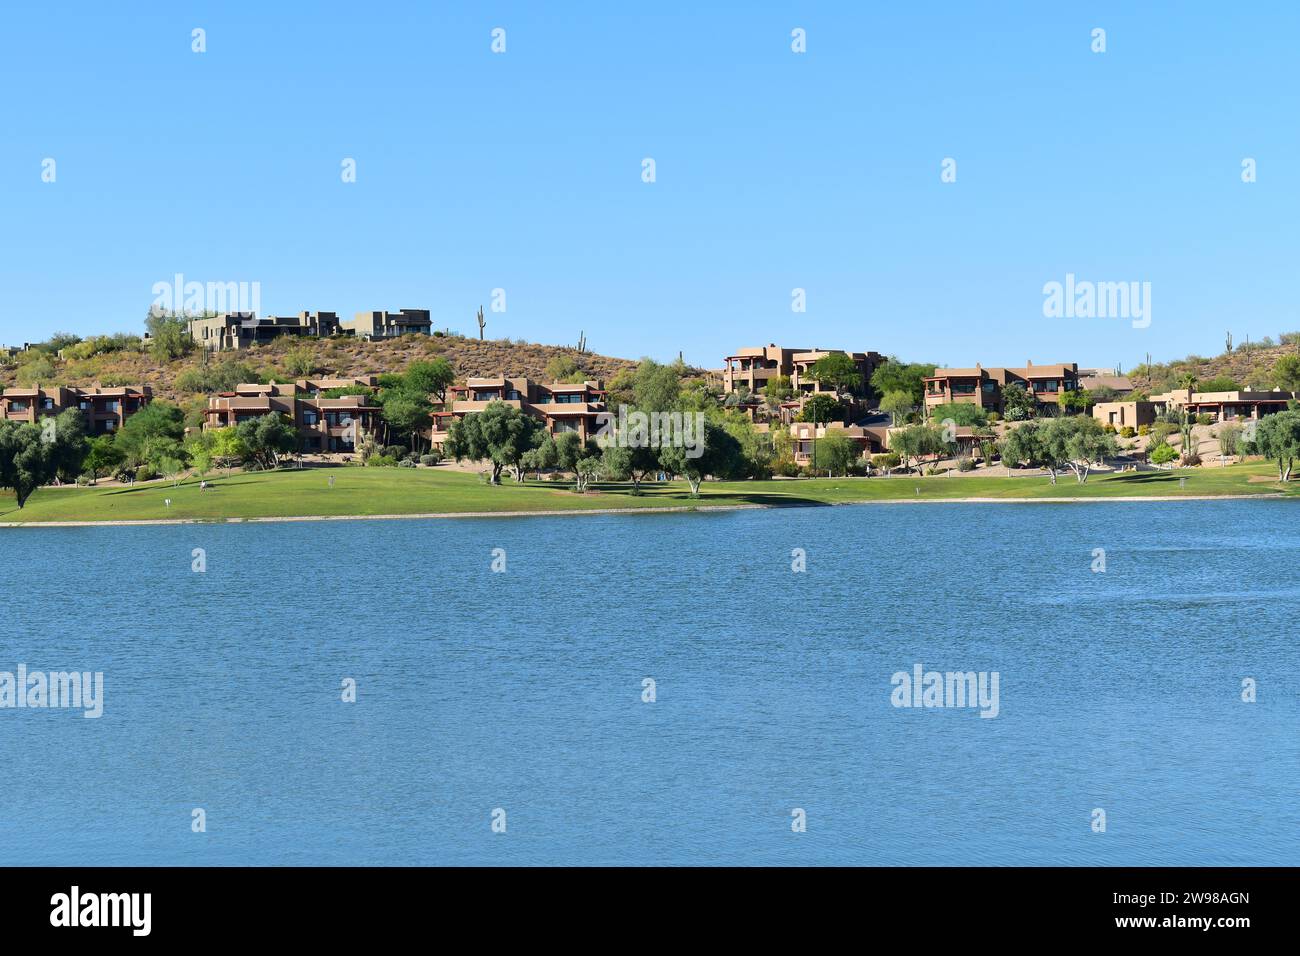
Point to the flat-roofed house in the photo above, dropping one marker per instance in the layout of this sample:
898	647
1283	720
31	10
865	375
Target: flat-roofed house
1128	414
106	409
389	325
233	331
1226	406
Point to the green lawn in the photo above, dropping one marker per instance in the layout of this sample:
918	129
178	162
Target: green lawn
375	491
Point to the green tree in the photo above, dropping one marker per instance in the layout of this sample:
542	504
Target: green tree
500	434
719	455
430	377
1286	372
897	404
67	435
154	430
821	408
837	371
656	388
1277	436
1076	442
916	441
169	335
963	414
622	462
267	437
1017	404
25	460
563	370
102	457
896	376
837	451
778	389
407	413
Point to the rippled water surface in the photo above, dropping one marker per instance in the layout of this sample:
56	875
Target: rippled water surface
523	691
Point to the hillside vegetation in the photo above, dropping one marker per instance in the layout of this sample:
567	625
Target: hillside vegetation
1253	365
287	359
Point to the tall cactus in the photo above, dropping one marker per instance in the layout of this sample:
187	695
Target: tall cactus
481	322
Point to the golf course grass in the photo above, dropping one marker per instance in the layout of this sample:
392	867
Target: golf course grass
400	491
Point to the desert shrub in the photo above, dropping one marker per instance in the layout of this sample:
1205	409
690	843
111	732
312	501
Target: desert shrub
381	461
406	463
1143	429
965	464
1128	432
1205	419
785	468
1108	428
1191	459
430	459
395	452
993	417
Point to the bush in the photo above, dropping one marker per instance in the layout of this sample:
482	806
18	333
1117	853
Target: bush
785	468
406	463
993	417
1205	419
965	464
381	461
886	462
395	452
1191	459
1142	429
430	459
934	470
1128	432
145	473
1108	428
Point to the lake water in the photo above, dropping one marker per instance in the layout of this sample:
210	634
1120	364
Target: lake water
522	690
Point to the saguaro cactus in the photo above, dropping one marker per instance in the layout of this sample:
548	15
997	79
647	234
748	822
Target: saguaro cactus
481	322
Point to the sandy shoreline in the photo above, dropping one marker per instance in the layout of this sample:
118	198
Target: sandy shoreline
669	509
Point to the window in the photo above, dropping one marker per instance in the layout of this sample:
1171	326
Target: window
309	417
83	405
513	395
988	388
567	398
110	425
113	405
47	403
964	388
563	425
17	405
486	396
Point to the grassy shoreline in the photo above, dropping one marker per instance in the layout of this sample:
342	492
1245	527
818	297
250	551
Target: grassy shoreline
425	493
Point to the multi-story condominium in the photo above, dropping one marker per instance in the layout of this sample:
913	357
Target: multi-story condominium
232	331
751	369
389	325
105	409
983	386
324	425
561	407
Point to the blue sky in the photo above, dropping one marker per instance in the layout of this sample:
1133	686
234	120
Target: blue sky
775	170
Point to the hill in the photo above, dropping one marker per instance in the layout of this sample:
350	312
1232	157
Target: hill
287	359
1246	365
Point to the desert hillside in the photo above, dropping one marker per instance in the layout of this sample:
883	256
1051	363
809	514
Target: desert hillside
1247	365
287	359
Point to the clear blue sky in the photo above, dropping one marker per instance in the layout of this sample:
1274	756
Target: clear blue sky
774	170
